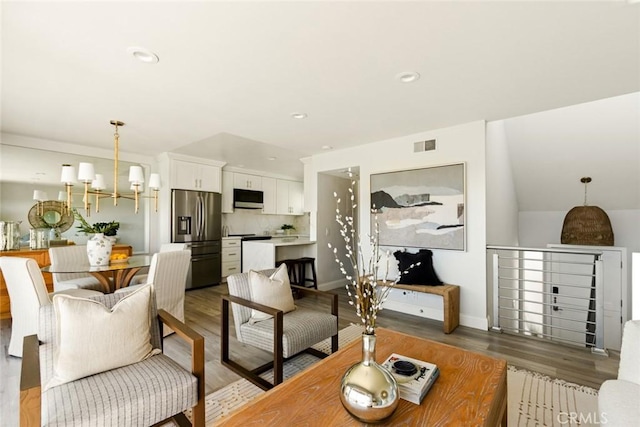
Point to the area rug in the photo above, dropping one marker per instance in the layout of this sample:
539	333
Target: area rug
533	399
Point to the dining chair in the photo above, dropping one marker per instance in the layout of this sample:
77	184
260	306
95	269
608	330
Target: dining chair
168	273
146	389
72	255
142	277
28	293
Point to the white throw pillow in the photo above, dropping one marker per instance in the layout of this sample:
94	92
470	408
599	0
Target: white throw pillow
92	338
273	291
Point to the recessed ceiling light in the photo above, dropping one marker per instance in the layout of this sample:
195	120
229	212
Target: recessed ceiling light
271	158
408	76
299	115
143	55
327	147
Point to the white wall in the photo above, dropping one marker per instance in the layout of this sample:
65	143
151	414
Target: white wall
328	274
464	143
502	200
635	286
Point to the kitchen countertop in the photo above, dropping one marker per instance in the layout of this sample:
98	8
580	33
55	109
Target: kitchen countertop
283	241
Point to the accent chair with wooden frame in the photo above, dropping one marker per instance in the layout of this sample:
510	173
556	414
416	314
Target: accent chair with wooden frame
286	334
140	394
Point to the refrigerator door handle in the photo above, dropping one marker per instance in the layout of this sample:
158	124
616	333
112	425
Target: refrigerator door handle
202	217
198	217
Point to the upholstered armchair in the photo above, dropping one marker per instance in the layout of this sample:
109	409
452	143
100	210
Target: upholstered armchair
283	333
136	393
619	399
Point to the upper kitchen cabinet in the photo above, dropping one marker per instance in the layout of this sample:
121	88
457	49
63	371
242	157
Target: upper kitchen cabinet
290	197
270	191
192	175
227	192
247	182
195	176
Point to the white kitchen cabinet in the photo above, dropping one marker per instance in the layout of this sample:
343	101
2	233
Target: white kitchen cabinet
290	197
231	247
227	192
186	175
247	182
269	190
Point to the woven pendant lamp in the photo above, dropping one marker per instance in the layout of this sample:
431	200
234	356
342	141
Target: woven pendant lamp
587	225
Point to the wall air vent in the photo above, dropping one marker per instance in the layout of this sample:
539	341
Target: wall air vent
424	146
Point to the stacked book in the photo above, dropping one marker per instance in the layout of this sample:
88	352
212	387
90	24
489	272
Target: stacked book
414	377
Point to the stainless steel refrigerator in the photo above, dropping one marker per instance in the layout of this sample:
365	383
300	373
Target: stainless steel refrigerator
196	219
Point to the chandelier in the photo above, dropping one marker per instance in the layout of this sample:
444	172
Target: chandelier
94	184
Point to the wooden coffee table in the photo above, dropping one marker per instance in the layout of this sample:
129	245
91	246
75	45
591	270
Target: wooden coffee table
471	390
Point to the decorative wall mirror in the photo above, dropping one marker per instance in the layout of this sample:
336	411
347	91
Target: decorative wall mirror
54	215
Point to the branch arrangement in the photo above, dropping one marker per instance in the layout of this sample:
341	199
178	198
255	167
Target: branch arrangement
366	291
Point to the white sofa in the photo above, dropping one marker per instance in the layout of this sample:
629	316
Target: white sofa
619	399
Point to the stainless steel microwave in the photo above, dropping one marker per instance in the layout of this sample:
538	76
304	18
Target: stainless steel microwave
248	199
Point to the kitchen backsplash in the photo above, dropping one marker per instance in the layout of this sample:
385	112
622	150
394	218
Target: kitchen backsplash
254	222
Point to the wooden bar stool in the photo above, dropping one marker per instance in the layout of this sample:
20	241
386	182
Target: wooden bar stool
302	264
292	269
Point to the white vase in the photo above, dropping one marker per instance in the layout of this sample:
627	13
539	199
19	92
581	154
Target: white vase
99	250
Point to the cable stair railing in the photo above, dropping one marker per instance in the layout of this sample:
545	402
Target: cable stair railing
549	294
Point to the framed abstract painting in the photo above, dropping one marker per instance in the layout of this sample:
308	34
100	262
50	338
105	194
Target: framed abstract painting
421	208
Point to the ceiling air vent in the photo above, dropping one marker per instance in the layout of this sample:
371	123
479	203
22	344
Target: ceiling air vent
424	146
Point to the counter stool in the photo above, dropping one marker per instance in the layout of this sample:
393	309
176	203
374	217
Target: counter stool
292	269
302	264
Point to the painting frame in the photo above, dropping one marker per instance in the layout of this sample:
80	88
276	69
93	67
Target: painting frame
420	208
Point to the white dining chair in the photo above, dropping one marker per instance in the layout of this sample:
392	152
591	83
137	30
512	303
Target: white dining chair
142	277
72	255
28	293
168	273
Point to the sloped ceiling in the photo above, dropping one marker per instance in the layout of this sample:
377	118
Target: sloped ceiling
550	151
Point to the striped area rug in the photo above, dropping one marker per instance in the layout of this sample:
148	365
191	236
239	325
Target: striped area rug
533	399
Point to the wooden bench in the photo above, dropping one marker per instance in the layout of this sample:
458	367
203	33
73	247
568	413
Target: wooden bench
450	302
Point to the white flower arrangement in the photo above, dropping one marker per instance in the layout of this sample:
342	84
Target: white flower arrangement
366	291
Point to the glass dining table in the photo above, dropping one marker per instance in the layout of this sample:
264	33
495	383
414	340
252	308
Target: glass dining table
112	277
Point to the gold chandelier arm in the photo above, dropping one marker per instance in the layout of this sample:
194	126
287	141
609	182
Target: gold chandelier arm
116	149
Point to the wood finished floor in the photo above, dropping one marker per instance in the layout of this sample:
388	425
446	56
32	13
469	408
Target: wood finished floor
202	312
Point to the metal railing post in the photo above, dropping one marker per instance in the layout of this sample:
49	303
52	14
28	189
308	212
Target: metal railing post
496	294
599	346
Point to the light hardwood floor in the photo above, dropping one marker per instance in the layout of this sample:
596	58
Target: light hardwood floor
202	312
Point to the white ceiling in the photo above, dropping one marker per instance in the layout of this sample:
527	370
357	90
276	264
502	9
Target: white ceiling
551	151
231	73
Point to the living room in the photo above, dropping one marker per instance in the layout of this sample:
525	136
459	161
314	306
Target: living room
469	121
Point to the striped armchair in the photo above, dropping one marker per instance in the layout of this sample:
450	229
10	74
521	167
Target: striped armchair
140	394
285	335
